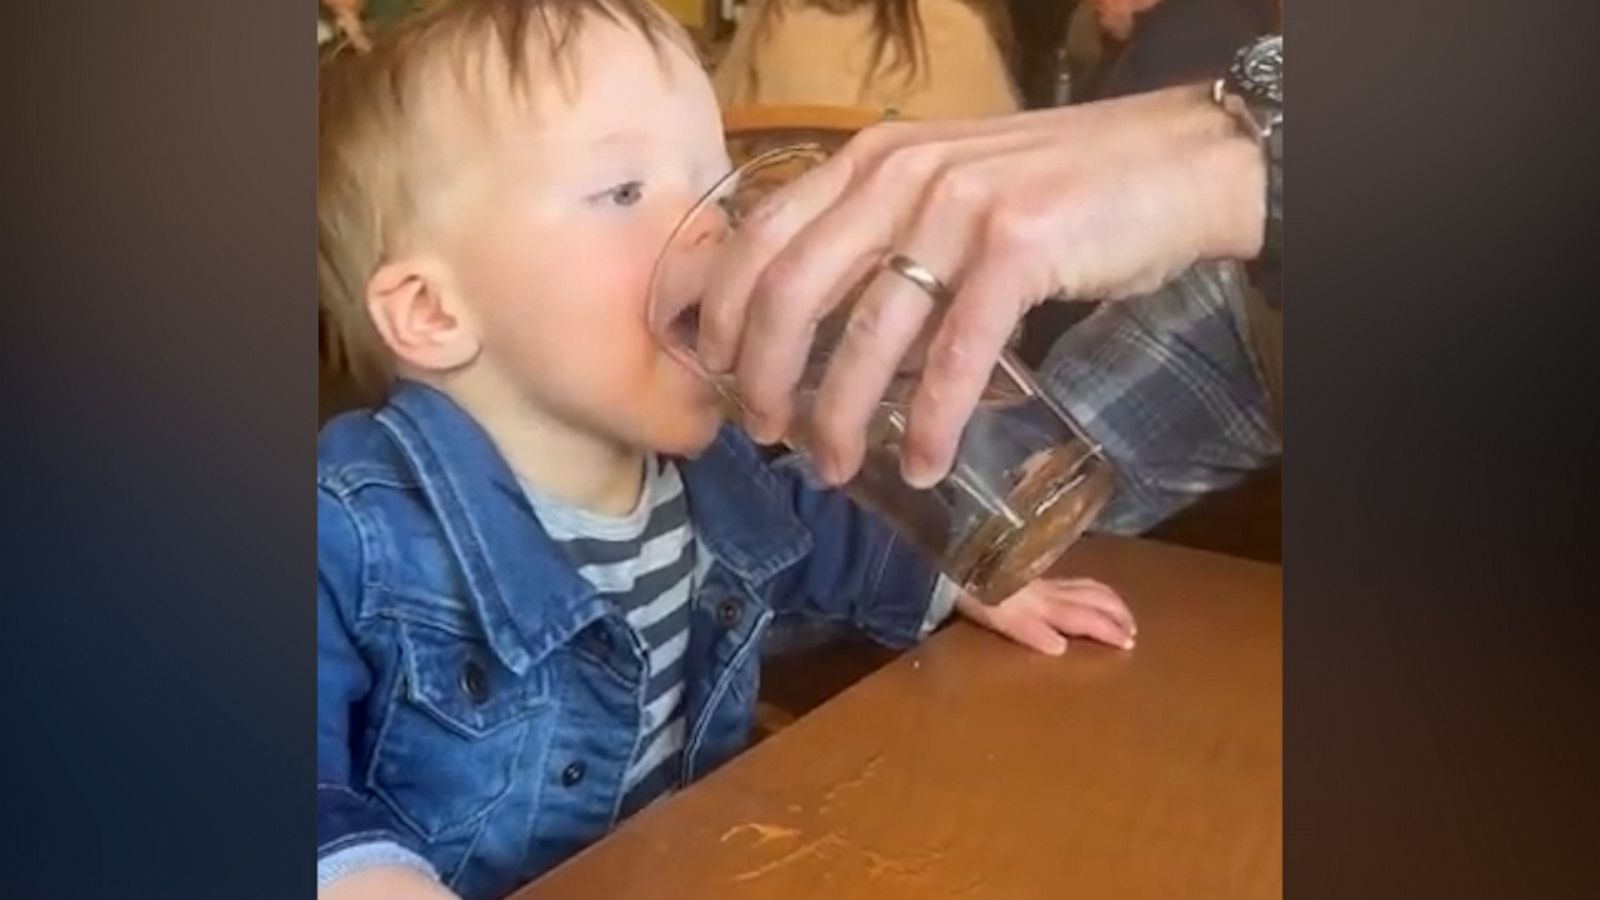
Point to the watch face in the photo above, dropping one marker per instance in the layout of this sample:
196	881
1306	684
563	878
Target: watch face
1259	69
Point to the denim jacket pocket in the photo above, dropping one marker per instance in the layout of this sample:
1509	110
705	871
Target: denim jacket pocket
456	731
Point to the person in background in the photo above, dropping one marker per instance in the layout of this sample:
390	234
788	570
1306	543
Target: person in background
1161	43
1040	27
922	59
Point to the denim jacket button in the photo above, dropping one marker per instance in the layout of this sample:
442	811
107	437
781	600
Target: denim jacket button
573	774
475	682
728	612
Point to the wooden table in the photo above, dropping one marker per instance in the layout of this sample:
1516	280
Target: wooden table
969	768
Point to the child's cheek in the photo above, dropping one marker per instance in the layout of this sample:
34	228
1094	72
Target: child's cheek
623	341
625	283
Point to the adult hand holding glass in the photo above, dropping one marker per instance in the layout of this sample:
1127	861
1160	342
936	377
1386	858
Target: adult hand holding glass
1098	202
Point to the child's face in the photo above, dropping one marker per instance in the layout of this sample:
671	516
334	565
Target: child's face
553	243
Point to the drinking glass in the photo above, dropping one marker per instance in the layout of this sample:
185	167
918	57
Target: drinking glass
1026	481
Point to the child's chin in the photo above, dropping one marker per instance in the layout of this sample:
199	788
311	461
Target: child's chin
690	435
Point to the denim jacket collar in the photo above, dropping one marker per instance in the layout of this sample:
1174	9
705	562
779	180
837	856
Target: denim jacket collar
528	598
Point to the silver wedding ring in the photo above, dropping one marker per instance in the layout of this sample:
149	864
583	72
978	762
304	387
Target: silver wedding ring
919	275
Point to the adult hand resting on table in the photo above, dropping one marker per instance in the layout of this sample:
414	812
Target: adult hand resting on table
1100	201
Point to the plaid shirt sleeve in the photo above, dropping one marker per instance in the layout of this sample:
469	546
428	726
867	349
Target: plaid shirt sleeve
1167	384
1268	270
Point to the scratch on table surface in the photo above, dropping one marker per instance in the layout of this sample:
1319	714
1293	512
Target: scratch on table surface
763	831
867	771
972	886
809	848
884	865
901	865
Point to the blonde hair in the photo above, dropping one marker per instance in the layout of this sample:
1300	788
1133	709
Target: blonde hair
372	132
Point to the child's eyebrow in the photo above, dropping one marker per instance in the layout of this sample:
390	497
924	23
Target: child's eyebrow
623	138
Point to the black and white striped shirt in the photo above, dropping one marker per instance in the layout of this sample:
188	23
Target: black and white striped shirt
647	564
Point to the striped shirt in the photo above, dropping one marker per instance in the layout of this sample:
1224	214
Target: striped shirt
645	563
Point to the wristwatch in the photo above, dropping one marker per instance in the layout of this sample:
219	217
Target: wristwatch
1252	91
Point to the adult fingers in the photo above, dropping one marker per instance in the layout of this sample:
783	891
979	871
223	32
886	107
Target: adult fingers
821	266
762	234
961	357
892	316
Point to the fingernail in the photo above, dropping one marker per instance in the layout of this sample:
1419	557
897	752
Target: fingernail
844	462
828	471
918	470
759	427
1127	644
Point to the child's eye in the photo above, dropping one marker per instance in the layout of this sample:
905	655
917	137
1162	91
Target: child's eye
625	194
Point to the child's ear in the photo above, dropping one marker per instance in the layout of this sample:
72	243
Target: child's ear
420	317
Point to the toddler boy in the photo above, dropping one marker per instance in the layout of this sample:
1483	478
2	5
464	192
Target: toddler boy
544	565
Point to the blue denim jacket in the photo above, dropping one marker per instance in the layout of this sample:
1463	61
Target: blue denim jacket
477	703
